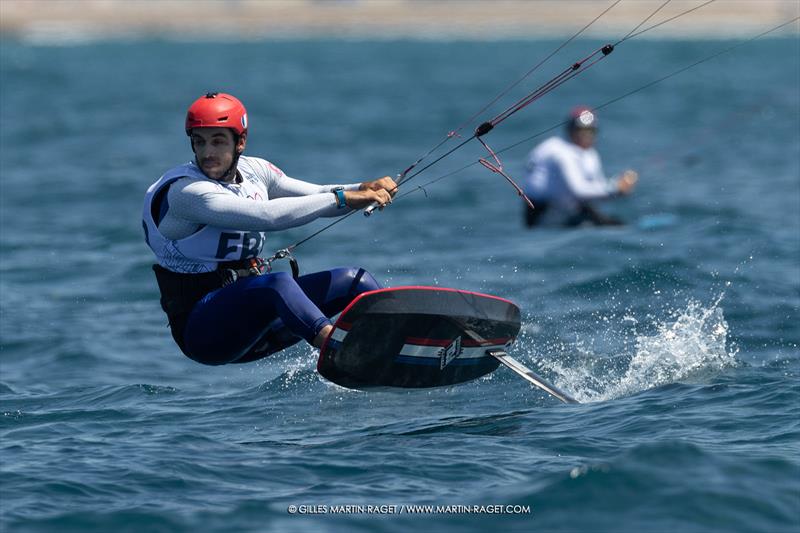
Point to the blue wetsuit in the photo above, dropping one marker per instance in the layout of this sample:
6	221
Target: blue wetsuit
260	315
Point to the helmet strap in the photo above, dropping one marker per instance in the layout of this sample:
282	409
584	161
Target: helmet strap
231	171
230	174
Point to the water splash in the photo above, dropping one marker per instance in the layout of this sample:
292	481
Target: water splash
690	343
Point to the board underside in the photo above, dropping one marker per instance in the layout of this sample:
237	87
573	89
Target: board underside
417	337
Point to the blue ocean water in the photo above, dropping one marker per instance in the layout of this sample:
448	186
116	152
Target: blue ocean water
679	332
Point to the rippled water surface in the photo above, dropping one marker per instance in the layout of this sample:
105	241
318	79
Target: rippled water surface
679	332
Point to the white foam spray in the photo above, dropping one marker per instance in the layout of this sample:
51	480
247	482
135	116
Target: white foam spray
689	344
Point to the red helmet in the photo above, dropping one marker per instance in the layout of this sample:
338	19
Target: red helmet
582	117
217	110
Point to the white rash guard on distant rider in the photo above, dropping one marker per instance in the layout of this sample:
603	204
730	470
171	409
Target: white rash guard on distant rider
562	174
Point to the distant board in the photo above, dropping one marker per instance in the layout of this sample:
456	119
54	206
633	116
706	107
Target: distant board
417	337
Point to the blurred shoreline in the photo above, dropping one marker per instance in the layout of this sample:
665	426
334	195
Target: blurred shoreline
56	21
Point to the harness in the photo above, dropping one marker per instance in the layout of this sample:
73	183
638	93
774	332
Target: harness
180	292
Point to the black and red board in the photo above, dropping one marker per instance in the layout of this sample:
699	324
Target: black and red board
417	337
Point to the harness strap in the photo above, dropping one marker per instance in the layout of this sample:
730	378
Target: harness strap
234	270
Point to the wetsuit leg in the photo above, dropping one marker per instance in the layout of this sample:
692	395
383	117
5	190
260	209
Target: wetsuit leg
259	315
600	219
588	213
330	290
533	216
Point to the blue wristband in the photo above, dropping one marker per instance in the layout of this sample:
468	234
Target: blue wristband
340	201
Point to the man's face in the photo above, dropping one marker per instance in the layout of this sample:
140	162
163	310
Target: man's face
583	137
214	148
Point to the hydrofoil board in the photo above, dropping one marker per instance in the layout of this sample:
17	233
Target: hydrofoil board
423	337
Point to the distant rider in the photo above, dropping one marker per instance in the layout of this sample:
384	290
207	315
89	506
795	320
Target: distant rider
565	177
206	223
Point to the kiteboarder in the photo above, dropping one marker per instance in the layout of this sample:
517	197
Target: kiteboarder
206	222
565	177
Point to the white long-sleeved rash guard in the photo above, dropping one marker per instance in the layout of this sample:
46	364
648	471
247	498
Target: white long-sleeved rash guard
562	174
201	221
